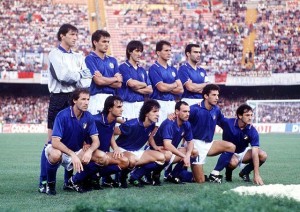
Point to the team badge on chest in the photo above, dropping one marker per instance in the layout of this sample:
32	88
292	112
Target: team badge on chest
111	65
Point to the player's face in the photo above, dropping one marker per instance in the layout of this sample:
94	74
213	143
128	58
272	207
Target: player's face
82	102
165	53
117	109
246	117
153	115
102	45
184	113
195	55
135	55
212	98
70	38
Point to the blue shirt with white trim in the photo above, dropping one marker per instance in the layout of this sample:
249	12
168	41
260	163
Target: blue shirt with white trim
204	121
71	131
157	74
241	138
108	67
134	135
105	129
129	72
171	131
187	72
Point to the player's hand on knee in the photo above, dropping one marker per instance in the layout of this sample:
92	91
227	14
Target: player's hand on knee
87	156
77	165
117	153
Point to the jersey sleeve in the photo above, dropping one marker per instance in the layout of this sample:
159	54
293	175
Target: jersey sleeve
58	127
167	132
125	73
92	130
189	134
125	128
183	74
155	76
254	137
116	66
91	65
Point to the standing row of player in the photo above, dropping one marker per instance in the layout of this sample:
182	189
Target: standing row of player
131	82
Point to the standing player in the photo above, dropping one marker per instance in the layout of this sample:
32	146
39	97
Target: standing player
72	127
168	137
164	79
136	83
133	135
106	76
204	118
67	70
241	133
192	77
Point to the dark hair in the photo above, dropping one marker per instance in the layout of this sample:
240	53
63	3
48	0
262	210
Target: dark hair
64	29
147	107
189	47
110	102
210	87
160	44
244	108
178	104
133	45
96	36
76	93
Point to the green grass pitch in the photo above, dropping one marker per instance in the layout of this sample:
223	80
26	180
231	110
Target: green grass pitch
19	172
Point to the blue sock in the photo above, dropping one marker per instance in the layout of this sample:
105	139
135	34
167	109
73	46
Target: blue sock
67	175
250	167
139	172
186	176
223	161
43	173
51	171
90	169
177	169
109	170
168	170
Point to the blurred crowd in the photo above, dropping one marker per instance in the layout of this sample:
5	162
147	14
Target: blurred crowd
29	29
218	25
33	110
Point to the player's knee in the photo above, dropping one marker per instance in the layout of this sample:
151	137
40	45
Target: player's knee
233	163
54	156
195	153
262	156
132	162
124	162
230	147
100	157
168	155
160	157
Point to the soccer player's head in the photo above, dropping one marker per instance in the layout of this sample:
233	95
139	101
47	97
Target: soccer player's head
182	110
100	40
244	113
163	50
134	50
113	105
210	93
67	34
192	52
80	99
150	110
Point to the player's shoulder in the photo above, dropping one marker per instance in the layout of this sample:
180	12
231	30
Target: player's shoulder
111	58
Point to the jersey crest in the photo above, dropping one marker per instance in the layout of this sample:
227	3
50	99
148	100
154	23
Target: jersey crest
173	74
111	65
202	74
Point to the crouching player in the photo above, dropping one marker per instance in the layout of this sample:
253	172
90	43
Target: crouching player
241	133
71	128
168	137
133	135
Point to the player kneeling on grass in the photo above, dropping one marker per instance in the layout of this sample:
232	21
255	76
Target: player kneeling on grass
168	137
133	135
71	128
241	133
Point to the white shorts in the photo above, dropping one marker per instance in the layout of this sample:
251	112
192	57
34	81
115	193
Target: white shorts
96	103
241	156
203	149
191	101
166	108
66	160
131	110
138	154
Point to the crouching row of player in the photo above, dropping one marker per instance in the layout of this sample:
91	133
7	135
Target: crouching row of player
77	134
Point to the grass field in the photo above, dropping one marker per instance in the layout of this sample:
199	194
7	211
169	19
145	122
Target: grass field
19	172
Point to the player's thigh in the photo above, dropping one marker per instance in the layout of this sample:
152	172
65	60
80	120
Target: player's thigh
218	147
151	156
116	160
